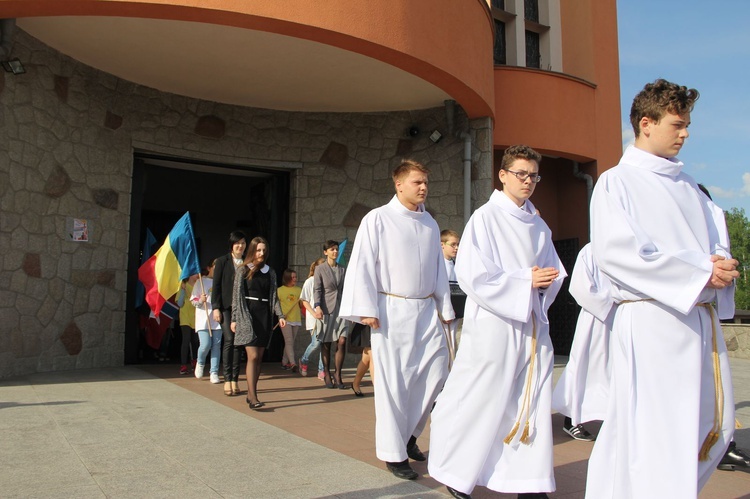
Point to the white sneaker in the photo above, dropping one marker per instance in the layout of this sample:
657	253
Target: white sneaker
199	371
215	378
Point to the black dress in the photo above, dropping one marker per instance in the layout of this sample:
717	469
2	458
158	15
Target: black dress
258	289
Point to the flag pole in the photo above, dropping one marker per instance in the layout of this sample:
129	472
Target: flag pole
205	306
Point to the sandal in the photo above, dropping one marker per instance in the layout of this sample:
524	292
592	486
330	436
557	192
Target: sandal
254	405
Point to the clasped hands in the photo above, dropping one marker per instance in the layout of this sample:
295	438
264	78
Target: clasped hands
543	277
724	272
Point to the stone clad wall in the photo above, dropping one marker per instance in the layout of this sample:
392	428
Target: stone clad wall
67	138
737	338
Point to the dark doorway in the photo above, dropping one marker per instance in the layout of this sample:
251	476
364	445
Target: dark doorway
220	198
564	311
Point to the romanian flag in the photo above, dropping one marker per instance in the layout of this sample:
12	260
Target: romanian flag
177	259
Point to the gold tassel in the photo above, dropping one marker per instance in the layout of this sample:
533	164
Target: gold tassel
512	433
526	404
713	435
709	442
525	434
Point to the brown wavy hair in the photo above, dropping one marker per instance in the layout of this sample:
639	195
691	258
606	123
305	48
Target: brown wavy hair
250	256
659	98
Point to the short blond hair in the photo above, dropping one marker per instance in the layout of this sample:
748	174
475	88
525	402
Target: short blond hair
406	166
447	234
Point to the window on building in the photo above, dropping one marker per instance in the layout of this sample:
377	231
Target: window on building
531	10
499	51
533	51
498	4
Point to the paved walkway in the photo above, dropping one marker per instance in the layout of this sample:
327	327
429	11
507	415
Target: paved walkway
145	431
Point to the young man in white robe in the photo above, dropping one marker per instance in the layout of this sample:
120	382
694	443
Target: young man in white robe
396	283
664	246
582	390
492	425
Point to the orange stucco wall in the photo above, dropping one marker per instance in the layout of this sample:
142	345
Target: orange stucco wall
546	111
445	42
590	51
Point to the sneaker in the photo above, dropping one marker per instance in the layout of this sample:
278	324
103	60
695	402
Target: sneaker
183	370
199	371
321	375
286	367
215	378
293	368
193	362
578	432
302	368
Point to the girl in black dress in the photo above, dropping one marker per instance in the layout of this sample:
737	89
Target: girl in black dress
254	302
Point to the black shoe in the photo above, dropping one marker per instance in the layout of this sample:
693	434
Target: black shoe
414	453
402	470
577	432
533	495
457	494
734	459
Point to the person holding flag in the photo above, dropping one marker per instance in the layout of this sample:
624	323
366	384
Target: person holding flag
163	273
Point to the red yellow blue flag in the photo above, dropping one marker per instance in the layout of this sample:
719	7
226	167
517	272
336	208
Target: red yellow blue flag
177	259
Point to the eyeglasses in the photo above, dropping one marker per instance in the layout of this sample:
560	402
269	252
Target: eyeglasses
452	245
522	176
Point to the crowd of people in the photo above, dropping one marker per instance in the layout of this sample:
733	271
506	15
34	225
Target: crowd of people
653	284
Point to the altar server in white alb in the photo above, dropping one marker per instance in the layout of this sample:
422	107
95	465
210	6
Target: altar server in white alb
664	246
492	425
396	283
582	391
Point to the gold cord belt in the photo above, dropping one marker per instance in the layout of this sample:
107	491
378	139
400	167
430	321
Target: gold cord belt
526	404
713	434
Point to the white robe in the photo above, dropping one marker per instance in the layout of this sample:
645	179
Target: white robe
582	391
484	393
397	251
653	233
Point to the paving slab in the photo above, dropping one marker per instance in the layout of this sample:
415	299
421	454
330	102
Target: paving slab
146	431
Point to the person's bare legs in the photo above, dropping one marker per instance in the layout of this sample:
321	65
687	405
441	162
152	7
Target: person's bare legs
252	372
339	359
362	367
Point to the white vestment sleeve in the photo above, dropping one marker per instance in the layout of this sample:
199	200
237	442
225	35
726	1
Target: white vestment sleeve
629	257
724	297
360	294
505	294
589	287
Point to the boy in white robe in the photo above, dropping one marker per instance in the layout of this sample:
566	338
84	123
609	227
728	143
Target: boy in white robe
582	391
449	240
396	284
492	425
664	246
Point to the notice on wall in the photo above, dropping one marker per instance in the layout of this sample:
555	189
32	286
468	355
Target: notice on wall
78	230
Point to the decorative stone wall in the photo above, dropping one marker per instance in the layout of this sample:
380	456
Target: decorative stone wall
68	137
737	338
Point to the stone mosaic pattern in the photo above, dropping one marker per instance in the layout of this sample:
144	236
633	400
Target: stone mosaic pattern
737	338
68	137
